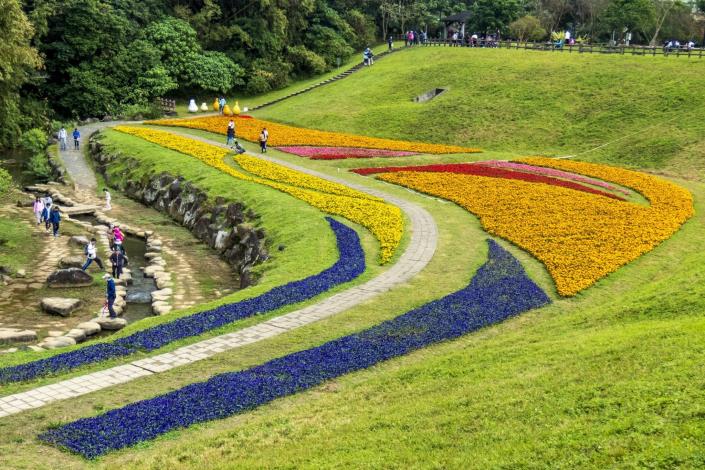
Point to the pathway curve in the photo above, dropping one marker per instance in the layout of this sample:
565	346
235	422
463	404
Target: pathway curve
421	248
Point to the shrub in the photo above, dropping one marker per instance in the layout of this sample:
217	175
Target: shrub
527	28
5	181
306	61
34	141
259	82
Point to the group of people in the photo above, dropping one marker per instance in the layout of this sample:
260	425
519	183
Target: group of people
45	211
368	57
674	45
474	40
118	260
235	145
63	137
414	38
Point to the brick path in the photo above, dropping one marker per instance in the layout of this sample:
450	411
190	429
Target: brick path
422	246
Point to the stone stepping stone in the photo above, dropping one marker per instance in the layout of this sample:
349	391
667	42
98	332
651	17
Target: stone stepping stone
77	334
71	262
59	306
72	277
58	342
78	240
111	324
16	335
90	328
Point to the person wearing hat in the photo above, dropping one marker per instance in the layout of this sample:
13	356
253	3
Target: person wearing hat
110	294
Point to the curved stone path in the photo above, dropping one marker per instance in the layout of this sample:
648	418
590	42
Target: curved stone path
420	250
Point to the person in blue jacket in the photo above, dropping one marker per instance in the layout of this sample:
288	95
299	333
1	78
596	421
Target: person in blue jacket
55	219
110	294
76	138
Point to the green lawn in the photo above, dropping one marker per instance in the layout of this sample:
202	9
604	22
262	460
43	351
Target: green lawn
612	378
524	102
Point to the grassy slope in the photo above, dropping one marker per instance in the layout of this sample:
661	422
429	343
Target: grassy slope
609	378
256	100
520	101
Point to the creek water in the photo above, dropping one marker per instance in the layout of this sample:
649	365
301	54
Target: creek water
15	162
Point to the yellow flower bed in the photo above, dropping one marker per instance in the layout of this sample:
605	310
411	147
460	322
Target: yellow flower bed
580	237
283	174
281	134
383	220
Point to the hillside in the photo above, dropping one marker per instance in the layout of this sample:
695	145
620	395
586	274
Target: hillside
647	110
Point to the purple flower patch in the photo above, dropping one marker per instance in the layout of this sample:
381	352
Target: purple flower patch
499	290
350	264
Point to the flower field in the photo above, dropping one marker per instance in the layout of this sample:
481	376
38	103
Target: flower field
341	153
579	235
490	172
349	266
283	135
499	290
542	170
383	220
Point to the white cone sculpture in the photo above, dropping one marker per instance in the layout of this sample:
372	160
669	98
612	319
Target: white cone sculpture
192	106
204	107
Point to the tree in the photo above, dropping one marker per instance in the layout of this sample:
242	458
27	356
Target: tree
494	15
18	60
629	15
527	28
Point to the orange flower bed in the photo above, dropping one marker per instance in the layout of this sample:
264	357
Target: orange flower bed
580	237
281	134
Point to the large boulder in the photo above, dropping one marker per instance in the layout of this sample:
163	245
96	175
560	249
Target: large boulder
60	306
15	335
72	277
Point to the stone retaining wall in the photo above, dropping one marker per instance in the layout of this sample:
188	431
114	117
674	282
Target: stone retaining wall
226	226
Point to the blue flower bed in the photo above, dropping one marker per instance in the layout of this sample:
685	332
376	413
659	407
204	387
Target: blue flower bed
350	264
499	290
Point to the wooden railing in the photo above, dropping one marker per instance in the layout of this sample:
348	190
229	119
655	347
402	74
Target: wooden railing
575	48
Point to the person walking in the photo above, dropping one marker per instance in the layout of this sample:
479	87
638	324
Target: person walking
221	104
55	219
110	294
390	42
108	198
92	255
231	134
263	136
119	237
48	202
76	138
38	209
62	138
117	260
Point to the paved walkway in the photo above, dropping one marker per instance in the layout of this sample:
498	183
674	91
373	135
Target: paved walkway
418	254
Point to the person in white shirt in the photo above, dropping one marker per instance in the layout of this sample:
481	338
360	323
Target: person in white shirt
108	198
92	255
62	138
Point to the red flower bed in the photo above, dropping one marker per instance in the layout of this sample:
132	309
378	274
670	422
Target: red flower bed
488	171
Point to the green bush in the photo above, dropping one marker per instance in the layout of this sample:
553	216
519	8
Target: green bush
140	111
39	166
5	181
305	61
34	141
259	82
